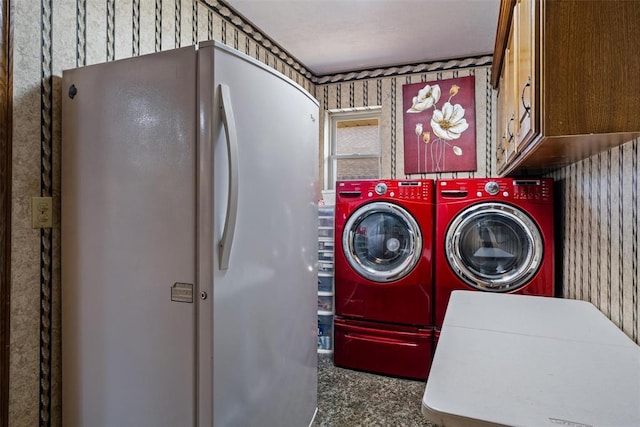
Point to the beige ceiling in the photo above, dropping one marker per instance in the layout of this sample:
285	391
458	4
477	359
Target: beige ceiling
334	36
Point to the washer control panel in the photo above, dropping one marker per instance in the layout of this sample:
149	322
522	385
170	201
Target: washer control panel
392	189
537	189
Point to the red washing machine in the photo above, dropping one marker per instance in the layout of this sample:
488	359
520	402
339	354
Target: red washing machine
493	235
384	276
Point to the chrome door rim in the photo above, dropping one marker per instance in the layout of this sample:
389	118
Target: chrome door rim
415	245
499	283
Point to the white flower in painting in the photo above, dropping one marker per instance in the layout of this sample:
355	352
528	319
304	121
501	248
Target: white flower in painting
427	97
418	129
449	123
457	150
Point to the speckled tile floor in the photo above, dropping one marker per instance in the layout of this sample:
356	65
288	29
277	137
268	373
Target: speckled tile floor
348	398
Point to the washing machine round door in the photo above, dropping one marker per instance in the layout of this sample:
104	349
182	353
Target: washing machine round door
382	242
494	247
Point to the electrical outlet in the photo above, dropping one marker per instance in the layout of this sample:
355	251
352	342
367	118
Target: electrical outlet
41	212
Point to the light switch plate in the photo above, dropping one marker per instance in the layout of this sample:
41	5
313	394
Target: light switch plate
41	212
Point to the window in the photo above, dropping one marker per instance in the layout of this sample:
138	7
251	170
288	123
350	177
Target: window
352	149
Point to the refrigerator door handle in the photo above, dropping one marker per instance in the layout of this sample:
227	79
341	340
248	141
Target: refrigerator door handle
232	204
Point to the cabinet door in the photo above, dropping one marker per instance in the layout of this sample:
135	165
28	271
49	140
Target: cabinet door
501	151
526	81
510	98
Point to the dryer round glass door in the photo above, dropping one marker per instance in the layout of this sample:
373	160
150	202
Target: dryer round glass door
382	242
494	247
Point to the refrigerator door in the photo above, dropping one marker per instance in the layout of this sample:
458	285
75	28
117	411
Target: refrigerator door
262	316
129	242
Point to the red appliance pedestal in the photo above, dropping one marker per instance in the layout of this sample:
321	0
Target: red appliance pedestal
397	350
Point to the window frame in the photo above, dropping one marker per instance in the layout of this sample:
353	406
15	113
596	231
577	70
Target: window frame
332	117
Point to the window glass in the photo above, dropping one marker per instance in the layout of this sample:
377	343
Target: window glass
357	169
358	137
352	150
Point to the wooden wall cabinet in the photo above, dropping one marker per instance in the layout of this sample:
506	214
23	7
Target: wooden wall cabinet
568	79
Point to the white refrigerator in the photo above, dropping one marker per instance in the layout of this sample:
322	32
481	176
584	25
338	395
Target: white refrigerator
189	243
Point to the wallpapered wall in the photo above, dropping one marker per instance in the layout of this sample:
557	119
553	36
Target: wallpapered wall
50	36
384	88
598	198
598	216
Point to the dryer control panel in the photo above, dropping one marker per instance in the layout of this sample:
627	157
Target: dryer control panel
538	189
533	189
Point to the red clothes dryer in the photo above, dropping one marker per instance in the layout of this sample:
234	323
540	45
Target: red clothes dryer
384	276
493	235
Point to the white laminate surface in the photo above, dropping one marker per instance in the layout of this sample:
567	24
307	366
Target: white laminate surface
531	361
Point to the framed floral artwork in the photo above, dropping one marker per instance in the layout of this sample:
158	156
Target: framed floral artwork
439	126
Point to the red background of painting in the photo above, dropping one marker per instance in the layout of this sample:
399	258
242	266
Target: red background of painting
467	141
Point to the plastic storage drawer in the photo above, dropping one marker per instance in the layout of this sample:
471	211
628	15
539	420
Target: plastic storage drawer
325	283
325	256
326	244
325	231
325	302
325	331
326	210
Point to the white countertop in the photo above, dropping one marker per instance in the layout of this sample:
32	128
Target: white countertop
531	361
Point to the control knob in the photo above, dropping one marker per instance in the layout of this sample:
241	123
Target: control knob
492	188
381	188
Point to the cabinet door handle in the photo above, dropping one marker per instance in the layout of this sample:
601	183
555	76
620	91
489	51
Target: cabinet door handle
527	108
509	132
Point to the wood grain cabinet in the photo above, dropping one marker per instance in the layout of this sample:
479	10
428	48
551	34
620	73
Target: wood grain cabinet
567	74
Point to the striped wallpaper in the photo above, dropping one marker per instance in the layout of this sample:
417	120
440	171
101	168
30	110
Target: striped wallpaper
598	237
50	36
597	198
384	88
